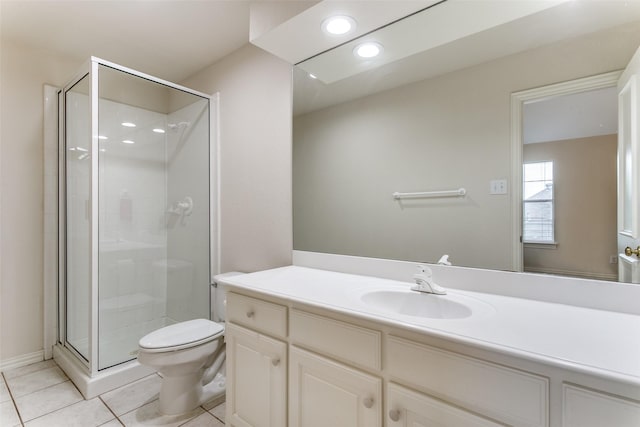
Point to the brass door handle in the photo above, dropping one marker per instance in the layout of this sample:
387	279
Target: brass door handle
628	251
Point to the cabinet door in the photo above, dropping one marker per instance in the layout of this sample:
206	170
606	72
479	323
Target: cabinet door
325	393
257	379
406	408
587	408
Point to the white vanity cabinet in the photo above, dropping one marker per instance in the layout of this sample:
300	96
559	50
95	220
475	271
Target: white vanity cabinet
256	363
346	371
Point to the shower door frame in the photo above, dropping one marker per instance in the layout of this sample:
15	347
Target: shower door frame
84	71
91	68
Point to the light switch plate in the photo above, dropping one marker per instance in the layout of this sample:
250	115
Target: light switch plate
498	186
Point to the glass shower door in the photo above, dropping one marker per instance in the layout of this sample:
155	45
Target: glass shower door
135	216
153	180
78	232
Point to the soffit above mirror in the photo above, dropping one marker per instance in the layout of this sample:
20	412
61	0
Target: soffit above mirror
426	44
301	37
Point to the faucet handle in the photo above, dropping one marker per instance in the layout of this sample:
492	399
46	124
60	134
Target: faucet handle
444	260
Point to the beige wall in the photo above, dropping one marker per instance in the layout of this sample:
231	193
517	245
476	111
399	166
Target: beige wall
443	133
22	75
255	157
585	207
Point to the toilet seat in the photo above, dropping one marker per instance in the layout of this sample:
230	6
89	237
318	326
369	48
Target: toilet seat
181	336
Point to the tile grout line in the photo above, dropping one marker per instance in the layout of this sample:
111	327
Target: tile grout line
214	415
12	399
47	413
110	410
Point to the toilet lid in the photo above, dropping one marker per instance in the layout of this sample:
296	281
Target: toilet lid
181	334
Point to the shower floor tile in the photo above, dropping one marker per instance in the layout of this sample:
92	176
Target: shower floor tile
41	395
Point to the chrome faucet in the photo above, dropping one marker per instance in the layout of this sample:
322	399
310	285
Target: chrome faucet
425	283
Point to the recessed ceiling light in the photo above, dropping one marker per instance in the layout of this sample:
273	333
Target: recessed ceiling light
102	137
128	141
128	124
338	25
158	130
368	50
103	150
313	76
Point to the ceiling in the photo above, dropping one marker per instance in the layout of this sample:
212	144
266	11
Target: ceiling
170	39
579	115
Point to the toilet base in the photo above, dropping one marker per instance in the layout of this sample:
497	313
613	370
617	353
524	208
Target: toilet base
182	394
214	389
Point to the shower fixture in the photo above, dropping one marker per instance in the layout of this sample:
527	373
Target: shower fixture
176	126
180	209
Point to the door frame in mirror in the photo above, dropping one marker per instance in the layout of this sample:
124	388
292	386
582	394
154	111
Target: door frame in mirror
518	99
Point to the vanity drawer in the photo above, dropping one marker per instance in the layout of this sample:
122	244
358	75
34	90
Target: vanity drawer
355	344
408	408
586	408
258	315
508	395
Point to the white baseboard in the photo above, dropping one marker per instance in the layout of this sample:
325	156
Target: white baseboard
23	360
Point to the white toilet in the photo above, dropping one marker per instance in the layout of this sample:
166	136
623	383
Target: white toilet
190	357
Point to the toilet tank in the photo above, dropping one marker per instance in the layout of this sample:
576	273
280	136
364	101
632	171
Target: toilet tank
219	296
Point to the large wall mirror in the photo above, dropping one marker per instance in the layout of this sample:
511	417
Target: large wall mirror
436	115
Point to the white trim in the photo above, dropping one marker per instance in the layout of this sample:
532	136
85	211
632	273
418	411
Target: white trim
540	245
50	247
624	142
518	99
22	360
214	188
100	61
94	362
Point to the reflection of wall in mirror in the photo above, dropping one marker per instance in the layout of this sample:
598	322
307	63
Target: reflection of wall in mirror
585	207
442	133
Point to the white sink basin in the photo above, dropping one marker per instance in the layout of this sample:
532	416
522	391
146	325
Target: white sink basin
417	304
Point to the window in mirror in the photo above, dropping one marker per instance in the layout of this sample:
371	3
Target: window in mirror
537	209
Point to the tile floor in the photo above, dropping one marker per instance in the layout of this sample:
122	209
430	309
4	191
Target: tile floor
41	395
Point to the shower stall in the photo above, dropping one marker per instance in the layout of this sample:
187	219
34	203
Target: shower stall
136	216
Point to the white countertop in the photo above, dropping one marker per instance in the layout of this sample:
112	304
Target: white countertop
596	342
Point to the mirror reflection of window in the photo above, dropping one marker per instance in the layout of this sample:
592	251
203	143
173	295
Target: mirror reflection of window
537	209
